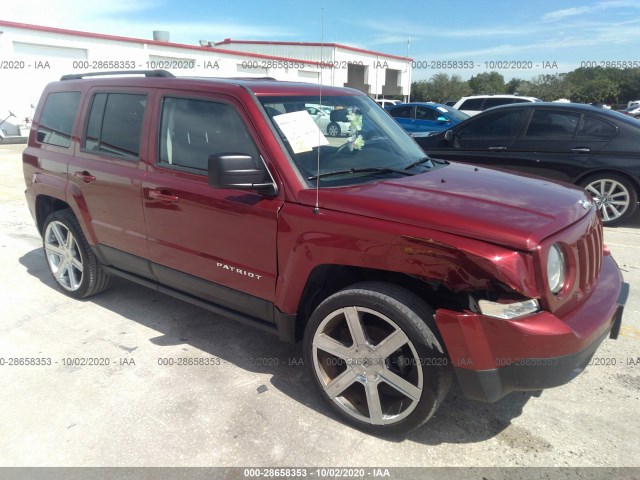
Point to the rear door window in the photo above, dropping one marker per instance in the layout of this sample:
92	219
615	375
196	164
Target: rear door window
552	124
593	128
115	124
425	113
58	117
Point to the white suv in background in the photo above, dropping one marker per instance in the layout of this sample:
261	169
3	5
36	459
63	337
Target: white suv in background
477	103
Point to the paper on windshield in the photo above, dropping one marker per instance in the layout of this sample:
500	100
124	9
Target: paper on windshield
301	131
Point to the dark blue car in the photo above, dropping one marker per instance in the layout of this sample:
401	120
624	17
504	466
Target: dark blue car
426	117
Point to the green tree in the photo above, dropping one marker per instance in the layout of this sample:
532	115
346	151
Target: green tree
487	83
439	88
546	87
515	85
595	85
419	91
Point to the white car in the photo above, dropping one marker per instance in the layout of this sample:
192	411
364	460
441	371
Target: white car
477	103
322	117
632	111
384	102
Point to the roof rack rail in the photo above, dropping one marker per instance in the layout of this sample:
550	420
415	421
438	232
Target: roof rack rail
247	78
146	73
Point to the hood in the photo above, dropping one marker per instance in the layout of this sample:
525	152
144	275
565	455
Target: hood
508	209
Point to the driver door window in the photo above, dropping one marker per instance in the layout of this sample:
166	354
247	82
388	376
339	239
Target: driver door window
191	130
501	125
401	112
423	113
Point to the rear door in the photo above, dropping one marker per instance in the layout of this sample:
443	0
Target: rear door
216	244
559	143
107	171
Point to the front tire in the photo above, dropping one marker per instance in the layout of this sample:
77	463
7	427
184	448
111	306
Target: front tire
73	265
615	197
373	353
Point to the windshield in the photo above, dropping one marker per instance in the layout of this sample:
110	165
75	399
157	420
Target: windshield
354	139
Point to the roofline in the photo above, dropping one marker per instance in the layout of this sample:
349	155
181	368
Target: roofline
228	41
116	38
514	95
557	106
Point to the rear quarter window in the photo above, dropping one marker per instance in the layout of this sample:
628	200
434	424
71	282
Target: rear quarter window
57	119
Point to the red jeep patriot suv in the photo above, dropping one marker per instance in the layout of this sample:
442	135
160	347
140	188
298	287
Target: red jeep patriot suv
398	272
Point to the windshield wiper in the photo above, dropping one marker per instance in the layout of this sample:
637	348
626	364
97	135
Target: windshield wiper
425	160
360	170
418	162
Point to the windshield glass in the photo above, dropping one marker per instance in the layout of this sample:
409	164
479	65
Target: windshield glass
354	139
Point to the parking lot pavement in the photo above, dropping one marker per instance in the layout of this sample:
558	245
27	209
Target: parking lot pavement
253	404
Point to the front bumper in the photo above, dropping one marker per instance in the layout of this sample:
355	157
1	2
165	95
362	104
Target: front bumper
493	357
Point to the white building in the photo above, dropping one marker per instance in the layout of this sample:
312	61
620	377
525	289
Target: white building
371	72
32	56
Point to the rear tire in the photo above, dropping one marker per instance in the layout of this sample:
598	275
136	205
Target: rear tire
69	257
374	356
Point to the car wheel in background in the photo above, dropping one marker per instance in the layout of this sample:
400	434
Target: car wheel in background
615	196
333	130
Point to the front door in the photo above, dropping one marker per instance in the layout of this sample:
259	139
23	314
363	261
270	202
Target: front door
217	244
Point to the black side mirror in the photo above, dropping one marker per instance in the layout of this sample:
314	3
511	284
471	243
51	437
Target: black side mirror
238	171
449	135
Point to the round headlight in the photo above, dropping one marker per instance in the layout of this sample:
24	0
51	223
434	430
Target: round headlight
555	269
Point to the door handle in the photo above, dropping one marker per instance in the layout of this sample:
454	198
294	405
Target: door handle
498	148
163	196
581	150
85	176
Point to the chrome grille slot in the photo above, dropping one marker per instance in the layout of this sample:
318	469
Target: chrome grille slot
589	250
582	263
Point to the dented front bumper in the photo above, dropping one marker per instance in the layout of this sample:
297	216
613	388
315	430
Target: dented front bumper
493	357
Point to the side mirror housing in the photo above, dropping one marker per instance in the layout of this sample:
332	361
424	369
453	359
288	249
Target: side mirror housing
449	135
443	119
238	171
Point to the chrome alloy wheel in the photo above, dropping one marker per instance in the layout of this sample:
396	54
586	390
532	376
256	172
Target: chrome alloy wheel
611	197
367	365
63	255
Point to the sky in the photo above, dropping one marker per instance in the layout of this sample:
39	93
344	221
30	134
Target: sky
516	38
